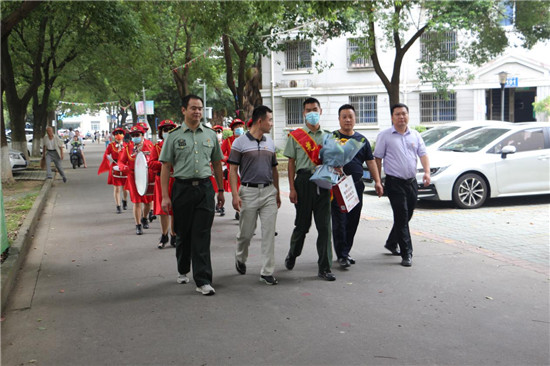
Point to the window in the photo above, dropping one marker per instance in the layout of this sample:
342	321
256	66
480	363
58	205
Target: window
508	13
438	46
526	140
365	108
298	55
294	108
355	48
95	125
435	108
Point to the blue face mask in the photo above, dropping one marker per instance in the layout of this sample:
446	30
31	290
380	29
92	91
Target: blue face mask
239	131
313	118
136	140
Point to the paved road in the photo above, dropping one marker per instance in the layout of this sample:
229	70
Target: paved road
93	293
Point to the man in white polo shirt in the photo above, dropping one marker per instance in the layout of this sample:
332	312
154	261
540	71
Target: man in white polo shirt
254	155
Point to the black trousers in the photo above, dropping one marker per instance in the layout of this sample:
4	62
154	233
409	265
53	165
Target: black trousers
193	207
316	201
403	194
344	225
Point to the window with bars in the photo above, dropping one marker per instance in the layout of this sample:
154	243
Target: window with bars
355	60
435	108
365	108
298	55
294	107
438	46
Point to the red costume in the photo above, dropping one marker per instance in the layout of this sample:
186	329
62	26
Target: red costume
114	149
126	164
155	166
226	151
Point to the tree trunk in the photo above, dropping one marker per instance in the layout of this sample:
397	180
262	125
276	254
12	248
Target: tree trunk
230	79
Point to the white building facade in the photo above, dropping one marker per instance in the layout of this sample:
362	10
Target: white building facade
289	77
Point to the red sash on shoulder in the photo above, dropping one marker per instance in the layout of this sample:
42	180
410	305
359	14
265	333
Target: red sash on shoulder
307	143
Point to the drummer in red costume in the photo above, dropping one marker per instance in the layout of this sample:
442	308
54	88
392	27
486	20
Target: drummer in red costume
116	178
146	141
237	126
126	164
166	218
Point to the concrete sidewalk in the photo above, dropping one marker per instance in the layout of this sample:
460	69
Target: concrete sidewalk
91	292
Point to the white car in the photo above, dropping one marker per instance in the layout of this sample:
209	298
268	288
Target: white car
441	134
17	160
499	161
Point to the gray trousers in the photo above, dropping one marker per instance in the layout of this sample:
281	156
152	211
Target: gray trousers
53	156
256	202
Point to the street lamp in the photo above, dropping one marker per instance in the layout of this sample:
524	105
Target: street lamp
203	97
502	77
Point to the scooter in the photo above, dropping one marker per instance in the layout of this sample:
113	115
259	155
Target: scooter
76	157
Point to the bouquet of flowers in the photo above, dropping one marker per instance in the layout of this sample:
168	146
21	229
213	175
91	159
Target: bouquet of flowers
334	153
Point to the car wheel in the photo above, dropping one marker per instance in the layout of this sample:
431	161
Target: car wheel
470	191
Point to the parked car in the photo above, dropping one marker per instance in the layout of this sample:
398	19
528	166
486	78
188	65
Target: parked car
17	160
441	134
29	145
496	161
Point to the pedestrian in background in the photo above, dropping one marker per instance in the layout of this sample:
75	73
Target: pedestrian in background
254	156
399	146
52	150
302	150
189	150
344	225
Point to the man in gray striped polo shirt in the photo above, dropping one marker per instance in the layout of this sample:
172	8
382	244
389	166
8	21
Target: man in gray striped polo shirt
254	155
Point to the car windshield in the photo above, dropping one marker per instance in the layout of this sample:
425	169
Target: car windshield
435	134
474	141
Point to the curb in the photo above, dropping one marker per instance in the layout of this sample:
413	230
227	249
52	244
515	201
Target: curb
19	248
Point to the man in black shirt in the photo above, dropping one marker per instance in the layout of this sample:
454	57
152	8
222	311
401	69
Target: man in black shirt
344	225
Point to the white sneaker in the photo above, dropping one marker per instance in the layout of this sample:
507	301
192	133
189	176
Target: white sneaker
206	290
182	278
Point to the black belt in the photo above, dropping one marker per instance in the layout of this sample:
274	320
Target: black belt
256	185
51	150
304	171
193	181
408	181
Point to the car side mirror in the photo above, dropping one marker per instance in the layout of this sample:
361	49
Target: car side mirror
508	149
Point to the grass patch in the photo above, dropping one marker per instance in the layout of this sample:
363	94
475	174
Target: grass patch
18	201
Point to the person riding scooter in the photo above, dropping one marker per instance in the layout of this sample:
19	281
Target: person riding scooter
76	152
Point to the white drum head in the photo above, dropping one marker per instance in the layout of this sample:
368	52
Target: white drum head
140	174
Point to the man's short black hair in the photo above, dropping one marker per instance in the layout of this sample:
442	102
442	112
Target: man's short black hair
260	112
311	100
187	98
346	106
399	105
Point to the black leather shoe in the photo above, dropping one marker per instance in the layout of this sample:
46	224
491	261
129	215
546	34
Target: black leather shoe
173	240
351	260
407	261
327	276
144	223
118	210
162	241
393	250
290	262
344	262
222	211
241	267
152	216
124	204
138	230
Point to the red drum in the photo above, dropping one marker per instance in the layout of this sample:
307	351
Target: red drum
119	174
150	189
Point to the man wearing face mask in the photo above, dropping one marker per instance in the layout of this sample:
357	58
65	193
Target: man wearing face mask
116	178
126	164
237	126
302	149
